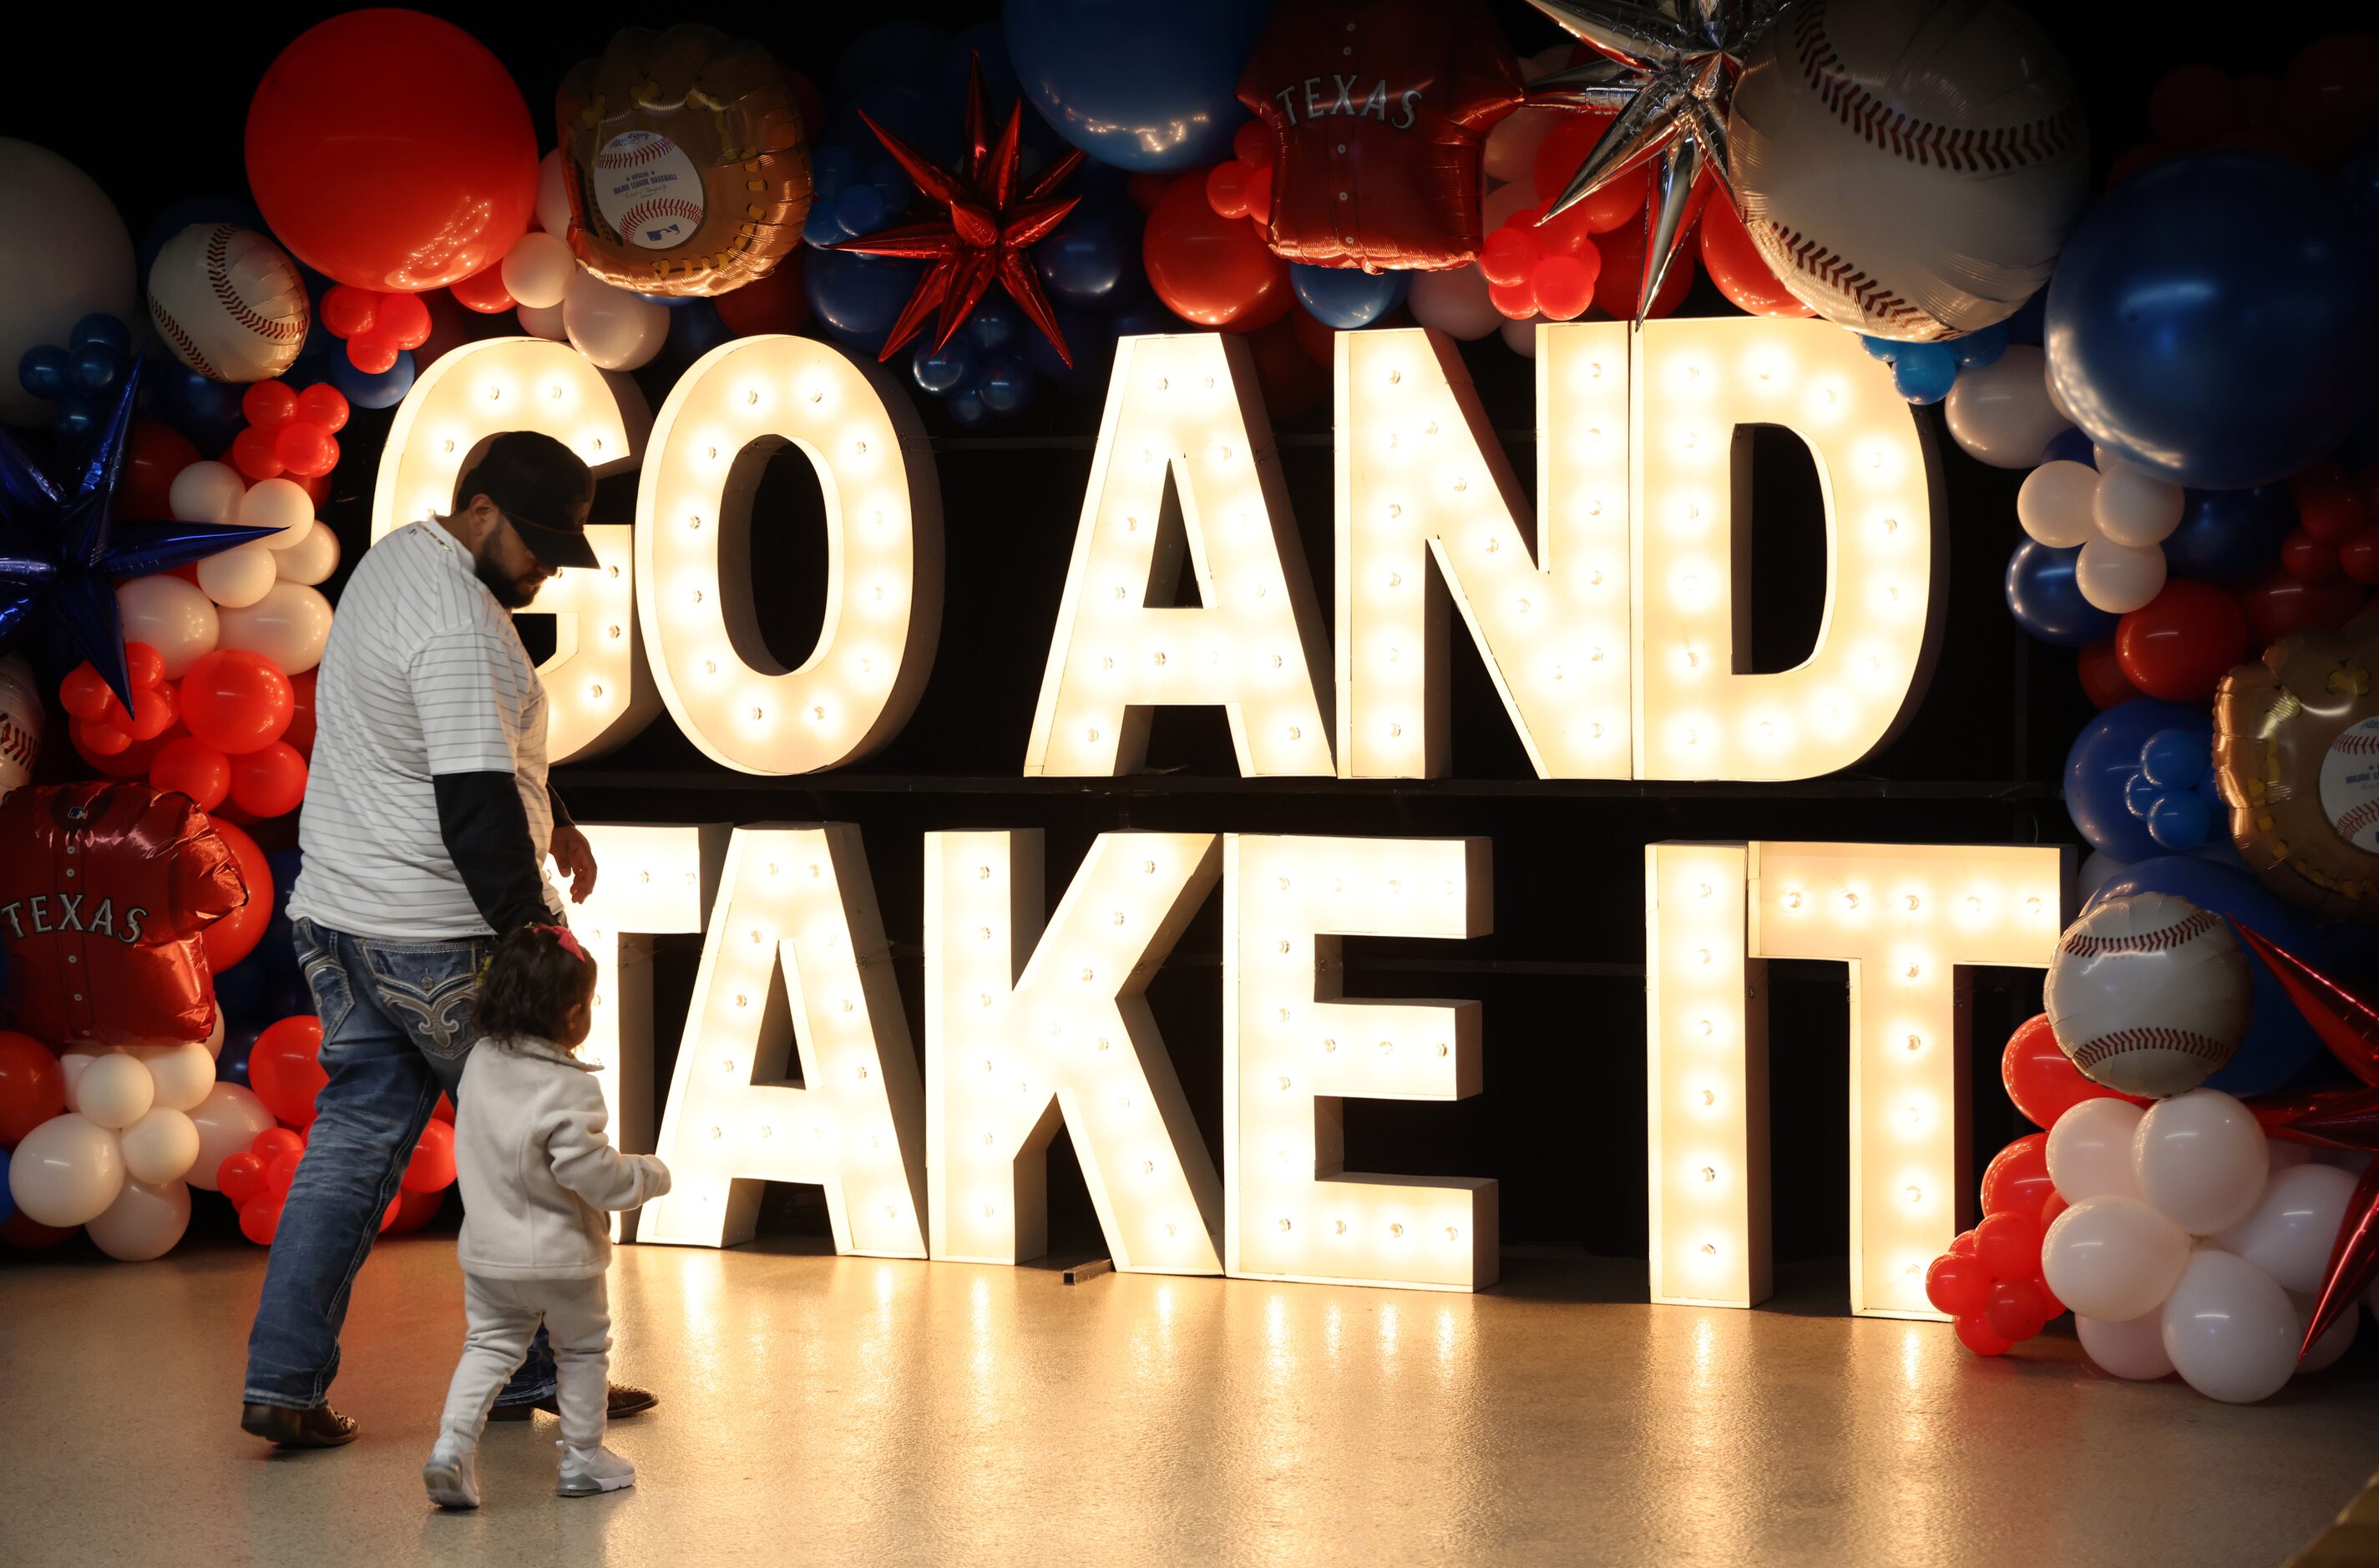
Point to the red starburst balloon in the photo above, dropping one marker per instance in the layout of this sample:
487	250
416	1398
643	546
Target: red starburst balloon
993	224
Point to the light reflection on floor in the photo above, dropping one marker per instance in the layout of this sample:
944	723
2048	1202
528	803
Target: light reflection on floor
855	1410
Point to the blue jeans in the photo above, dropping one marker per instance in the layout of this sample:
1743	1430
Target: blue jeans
396	1029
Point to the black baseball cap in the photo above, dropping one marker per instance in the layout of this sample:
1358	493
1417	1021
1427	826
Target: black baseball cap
543	487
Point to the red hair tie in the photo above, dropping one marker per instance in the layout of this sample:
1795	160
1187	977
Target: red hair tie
567	941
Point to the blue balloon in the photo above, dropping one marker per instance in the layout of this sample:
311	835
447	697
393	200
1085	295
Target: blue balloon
2142	795
2102	763
856	297
916	117
694	331
2029	323
7	1200
206	411
1980	348
1924	372
860	210
239	1040
2047	603
2230	536
1092	258
831	168
1152	87
239	989
277	949
2211	319
2360	178
2279	1042
1090	338
196	210
942	370
102	329
1347	298
996	325
1006	384
364	390
886	178
2180	821
966	406
2070	445
2176	759
1886	349
42	371
819	228
902	54
94	367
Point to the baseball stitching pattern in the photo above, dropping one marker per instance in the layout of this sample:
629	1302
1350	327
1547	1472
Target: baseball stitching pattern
2174	936
190	351
238	309
1993	152
2353	744
644	212
1837	272
634	156
2355	821
2189	1043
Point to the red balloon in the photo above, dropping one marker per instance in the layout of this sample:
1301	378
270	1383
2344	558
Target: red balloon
276	1141
404	321
372	354
1622	275
1974	1333
236	700
1210	269
776	303
388	1216
2008	1245
1517	301
155	452
99	738
2041	1080
235	935
1957	1285
2329	501
2194	106
2308	559
300	732
2181	643
270	781
191	766
2017	1178
156	709
431	1169
269	404
83	694
2358	557
391	151
350	312
2018	1309
254	453
1565	285
2278	604
444	1110
278	1175
2103	680
1962	1246
1558	158
261	1218
307	450
285	1069
1735	264
1258	191
33	1086
2332	87
1226	189
21	1229
240	1177
325	405
132	762
1509	255
415	1210
2050	1207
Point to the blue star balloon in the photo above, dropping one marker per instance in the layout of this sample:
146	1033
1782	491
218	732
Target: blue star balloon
62	550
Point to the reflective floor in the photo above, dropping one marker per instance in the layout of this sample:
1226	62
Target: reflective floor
828	1409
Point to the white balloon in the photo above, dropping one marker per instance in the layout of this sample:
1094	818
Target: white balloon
2112	1258
311	559
236	578
214	1041
207	492
544	321
183	1074
2118	578
228	1120
552	195
71	1067
2202	1160
2135	508
66	254
144	1222
116	1090
1511	150
1999	413
173	616
614	327
2231	1333
537	270
278	503
288	625
2056	503
2334	1341
2097	869
1455	302
2090	1153
1520	337
2290	1232
2132	1349
1502	205
66	1171
160	1146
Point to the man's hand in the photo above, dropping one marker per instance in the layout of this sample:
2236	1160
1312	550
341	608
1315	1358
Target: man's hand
574	857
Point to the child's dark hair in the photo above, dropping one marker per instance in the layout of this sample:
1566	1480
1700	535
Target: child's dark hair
537	975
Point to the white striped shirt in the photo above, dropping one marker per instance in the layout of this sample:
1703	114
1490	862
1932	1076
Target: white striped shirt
424	675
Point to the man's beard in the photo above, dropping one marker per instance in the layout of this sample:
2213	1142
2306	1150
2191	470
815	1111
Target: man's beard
513	593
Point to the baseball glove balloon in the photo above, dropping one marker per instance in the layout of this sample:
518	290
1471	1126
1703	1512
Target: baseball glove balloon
2297	750
687	171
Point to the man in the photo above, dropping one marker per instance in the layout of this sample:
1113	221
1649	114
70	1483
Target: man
426	821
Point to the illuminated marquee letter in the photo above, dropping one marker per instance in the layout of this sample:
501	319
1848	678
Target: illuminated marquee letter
1293	1052
1012	1047
739	405
1698	383
795	956
599	691
1421	477
1904	917
653	880
1185	461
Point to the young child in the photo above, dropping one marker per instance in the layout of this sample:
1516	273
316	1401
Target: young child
538	1177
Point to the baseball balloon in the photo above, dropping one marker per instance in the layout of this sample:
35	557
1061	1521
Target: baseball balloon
2293	1227
2203	1161
2231	1331
2112	1258
228	302
2148	993
2090	1150
1909	168
2132	1349
65	255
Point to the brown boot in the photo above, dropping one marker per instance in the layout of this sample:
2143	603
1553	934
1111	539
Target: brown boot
624	1402
320	1428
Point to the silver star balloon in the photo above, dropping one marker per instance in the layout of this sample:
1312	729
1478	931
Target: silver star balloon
1668	69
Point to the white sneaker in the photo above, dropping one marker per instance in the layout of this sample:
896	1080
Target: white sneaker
452	1474
587	1471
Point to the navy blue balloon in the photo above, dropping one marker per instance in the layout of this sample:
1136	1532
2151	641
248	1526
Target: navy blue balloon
916	117
1145	86
1006	384
856	297
2176	759
7	1200
2180	821
966	406
1092	258
819	228
195	210
2101	764
2212	321
1978	349
2360	178
239	1040
2047	603
2142	795
860	210
43	370
2279	1042
899	53
239	989
2230	536
365	389
2031	320
831	168
1347	298
1924	372
942	372
1090	338
277	949
2070	445
886	178
695	330
997	326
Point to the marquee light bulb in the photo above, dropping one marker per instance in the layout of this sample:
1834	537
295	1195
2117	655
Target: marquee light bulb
884	583
1256	646
813	949
1287	904
599	692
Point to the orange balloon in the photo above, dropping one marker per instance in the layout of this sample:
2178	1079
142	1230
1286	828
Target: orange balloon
236	700
235	935
270	781
188	765
33	1086
260	1218
284	1069
1735	265
1209	269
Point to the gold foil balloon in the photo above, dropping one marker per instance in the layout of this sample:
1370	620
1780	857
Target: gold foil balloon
2296	749
685	163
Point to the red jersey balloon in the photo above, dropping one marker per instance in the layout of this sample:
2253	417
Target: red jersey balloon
1379	110
105	893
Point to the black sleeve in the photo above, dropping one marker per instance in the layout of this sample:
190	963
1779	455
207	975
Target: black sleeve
486	830
560	813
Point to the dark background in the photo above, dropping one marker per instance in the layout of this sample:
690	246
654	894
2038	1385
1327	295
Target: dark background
153	111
